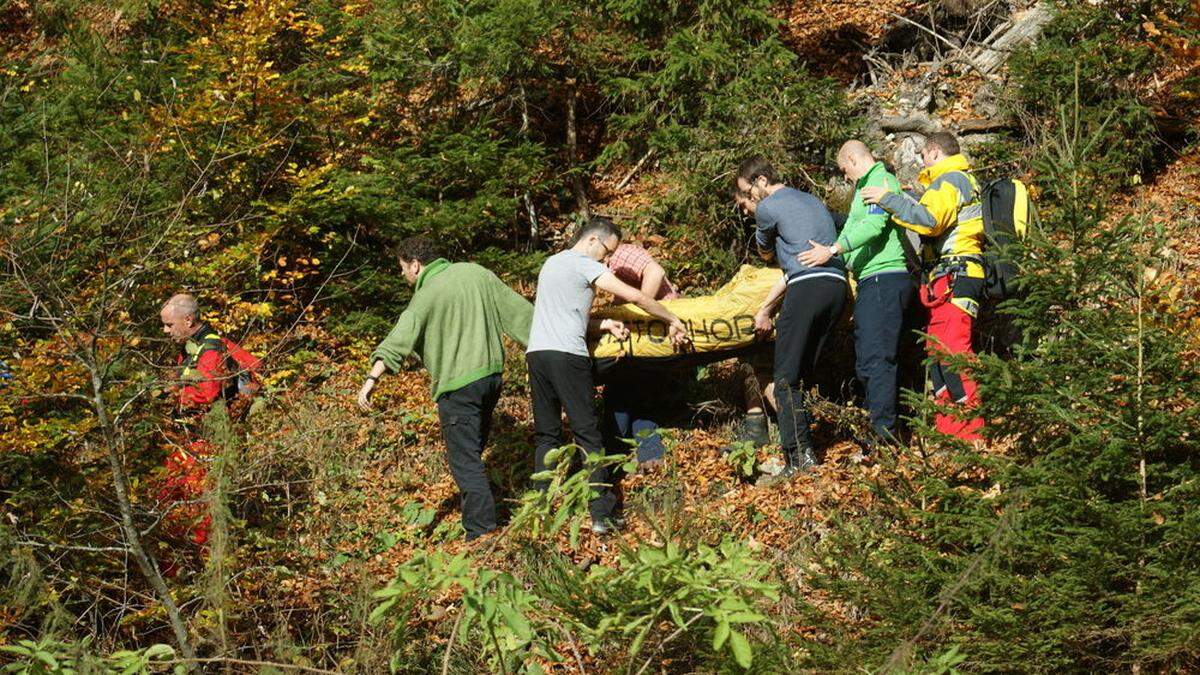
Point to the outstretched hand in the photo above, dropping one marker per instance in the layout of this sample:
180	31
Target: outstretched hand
872	194
816	256
364	394
615	328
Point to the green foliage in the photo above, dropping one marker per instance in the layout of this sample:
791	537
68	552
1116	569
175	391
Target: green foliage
563	500
742	455
1085	57
942	664
709	593
493	603
1071	549
772	107
710	596
53	657
1102	393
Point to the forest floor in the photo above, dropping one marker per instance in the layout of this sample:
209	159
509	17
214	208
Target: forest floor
387	494
361	493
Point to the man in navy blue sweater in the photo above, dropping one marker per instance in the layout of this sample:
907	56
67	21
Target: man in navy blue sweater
790	222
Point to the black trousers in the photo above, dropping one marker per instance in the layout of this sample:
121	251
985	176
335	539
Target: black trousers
810	309
466	417
879	310
559	382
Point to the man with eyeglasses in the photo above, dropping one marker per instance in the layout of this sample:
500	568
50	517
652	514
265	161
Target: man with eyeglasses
560	366
756	369
789	222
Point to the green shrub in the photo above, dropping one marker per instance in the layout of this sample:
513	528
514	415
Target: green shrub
1070	548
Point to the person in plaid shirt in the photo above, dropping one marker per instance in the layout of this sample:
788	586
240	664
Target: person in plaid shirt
634	410
636	267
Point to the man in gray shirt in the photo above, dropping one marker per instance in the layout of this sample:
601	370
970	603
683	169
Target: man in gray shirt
790	222
560	367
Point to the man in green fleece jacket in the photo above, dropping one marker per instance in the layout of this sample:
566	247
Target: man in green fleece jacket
454	323
871	245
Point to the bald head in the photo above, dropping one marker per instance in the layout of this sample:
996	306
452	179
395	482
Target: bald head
180	317
855	159
183	304
856	149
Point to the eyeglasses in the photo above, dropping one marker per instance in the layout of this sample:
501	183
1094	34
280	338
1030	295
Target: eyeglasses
609	251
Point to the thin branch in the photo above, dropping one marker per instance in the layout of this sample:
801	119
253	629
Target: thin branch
73	547
679	631
636	167
450	644
927	30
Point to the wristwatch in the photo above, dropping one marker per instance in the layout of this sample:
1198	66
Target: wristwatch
835	249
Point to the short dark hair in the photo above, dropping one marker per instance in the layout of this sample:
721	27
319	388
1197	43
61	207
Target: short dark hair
418	248
944	140
599	226
753	167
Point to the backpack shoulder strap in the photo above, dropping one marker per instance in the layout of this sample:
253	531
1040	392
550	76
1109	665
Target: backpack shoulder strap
204	341
910	243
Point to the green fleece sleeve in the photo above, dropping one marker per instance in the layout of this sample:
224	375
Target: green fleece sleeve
516	313
402	341
862	227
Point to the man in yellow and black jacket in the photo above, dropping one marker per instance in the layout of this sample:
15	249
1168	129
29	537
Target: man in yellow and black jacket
949	218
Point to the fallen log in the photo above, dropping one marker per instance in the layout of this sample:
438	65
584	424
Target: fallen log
986	124
1022	28
918	122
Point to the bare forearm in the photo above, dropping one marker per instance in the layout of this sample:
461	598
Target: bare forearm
774	296
364	394
377	369
652	279
654	308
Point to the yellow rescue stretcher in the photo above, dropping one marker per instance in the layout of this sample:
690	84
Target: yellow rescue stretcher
721	325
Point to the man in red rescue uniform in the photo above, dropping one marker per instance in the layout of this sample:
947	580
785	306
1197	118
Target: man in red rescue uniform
949	218
204	376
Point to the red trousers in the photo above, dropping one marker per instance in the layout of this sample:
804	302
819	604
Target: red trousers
949	332
182	493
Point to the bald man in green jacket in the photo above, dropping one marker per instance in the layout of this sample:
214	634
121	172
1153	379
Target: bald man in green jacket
454	323
871	245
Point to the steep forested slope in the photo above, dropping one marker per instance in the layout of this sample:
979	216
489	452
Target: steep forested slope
262	153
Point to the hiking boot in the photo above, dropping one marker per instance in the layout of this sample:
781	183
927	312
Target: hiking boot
753	429
771	466
796	460
608	525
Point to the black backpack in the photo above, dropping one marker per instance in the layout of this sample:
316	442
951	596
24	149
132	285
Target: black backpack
1007	213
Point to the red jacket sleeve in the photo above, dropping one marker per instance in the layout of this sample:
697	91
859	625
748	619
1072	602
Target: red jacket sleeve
202	392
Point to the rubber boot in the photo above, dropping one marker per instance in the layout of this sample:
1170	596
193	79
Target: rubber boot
753	429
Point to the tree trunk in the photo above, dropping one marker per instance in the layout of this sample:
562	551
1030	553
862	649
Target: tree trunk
577	182
529	208
133	539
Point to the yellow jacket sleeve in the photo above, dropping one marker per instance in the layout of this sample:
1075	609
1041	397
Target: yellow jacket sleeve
936	212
